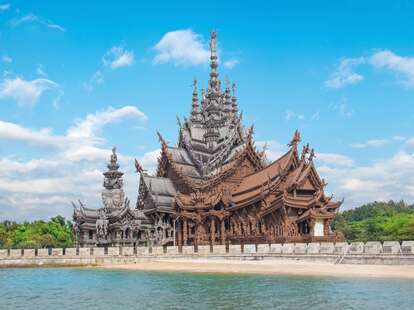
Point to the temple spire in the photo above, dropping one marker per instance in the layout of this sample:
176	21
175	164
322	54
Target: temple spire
195	111
213	83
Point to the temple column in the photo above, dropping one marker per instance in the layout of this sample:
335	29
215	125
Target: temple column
212	231
223	232
196	234
185	237
179	234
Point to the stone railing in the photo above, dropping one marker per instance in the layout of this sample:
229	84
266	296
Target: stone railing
406	248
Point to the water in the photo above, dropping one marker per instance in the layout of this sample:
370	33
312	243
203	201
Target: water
91	289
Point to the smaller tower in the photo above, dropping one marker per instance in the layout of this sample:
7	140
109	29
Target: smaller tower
113	194
195	109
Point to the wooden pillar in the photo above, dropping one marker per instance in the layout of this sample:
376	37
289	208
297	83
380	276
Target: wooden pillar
185	233
196	233
223	232
179	233
212	231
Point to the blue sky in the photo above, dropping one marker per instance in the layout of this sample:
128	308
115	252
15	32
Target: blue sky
77	78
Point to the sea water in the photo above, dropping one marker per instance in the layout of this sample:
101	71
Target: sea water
88	288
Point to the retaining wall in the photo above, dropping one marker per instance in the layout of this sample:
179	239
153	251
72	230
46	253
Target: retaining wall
389	252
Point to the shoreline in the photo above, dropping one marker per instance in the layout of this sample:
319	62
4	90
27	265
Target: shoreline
289	268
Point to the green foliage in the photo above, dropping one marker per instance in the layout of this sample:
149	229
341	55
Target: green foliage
377	221
38	234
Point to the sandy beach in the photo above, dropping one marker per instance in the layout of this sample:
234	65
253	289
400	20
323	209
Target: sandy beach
296	268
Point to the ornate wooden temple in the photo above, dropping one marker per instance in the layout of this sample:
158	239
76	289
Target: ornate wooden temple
214	186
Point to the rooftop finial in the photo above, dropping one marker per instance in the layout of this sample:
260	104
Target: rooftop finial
213	61
295	139
195	108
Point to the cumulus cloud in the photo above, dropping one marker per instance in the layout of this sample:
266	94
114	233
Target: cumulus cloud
116	57
401	66
181	47
72	169
25	92
89	127
381	180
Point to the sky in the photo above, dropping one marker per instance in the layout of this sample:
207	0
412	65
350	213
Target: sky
79	77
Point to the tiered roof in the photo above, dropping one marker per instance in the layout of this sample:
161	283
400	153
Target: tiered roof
212	148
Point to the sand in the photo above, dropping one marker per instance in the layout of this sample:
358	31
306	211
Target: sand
276	267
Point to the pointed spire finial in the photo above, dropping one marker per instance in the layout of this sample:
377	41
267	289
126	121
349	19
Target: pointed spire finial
295	139
138	167
162	141
213	83
311	155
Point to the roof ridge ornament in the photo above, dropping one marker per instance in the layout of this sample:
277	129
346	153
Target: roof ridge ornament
138	167
295	139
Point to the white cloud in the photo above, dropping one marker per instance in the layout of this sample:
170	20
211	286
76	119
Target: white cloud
344	74
32	18
334	159
7	59
25	92
117	57
230	64
388	60
291	115
11	131
24	19
385	179
403	66
90	126
181	47
5	6
371	143
97	78
56	26
71	170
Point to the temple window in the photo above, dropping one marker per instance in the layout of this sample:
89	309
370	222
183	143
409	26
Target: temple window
90	235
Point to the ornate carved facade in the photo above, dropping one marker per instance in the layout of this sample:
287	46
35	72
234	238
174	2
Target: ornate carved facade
214	186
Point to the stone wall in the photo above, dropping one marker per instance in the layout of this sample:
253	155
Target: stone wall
339	252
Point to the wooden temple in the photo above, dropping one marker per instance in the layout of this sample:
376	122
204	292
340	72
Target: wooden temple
215	187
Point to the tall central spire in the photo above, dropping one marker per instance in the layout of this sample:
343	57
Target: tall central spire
214	84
